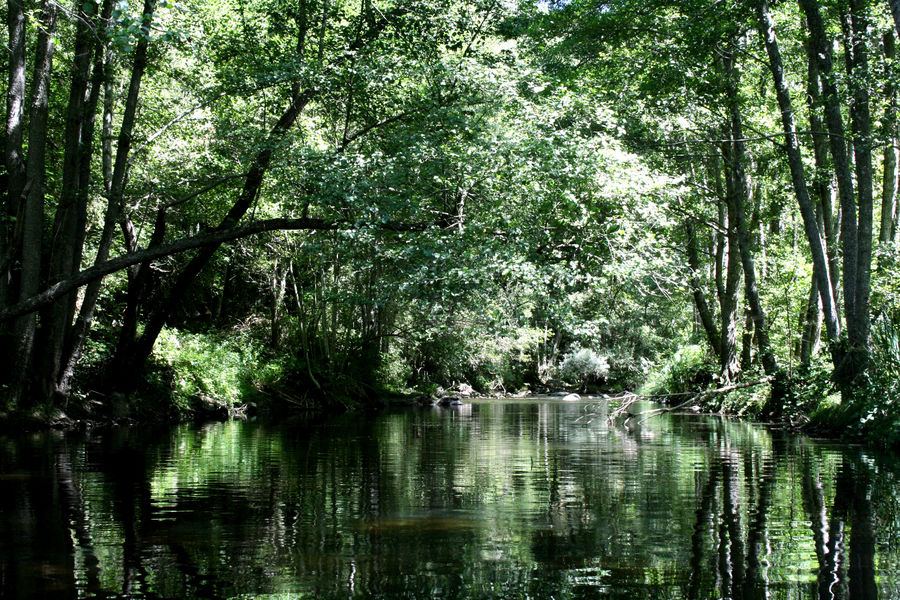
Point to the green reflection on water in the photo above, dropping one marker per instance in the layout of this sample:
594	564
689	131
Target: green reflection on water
490	500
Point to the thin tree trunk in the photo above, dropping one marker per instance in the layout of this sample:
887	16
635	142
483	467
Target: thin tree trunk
823	183
810	324
63	376
33	213
747	341
129	367
706	317
279	284
798	177
138	281
891	155
15	135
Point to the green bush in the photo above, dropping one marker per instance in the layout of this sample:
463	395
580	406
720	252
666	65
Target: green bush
878	402
871	409
689	369
207	367
584	367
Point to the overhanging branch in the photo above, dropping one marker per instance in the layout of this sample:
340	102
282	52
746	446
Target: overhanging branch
119	263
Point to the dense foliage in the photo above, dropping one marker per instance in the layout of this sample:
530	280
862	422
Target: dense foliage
307	202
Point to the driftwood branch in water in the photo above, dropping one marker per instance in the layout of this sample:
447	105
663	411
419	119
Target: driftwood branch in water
205	239
629	398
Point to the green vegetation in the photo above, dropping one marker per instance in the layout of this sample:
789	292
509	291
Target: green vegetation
315	203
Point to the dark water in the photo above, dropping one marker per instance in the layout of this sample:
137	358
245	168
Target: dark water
491	500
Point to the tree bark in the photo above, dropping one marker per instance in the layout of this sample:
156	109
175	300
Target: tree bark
139	279
861	126
824	178
66	240
728	298
739	199
798	177
63	372
891	155
810	324
33	214
706	316
15	135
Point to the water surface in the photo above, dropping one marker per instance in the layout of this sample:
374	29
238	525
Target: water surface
524	499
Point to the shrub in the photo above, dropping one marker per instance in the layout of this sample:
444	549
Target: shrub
206	366
584	367
878	402
689	369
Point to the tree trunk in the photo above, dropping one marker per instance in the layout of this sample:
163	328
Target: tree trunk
810	324
15	135
821	50
706	316
861	126
747	341
33	213
728	300
62	375
798	177
15	173
67	239
128	366
739	199
824	178
279	285
138	281
891	155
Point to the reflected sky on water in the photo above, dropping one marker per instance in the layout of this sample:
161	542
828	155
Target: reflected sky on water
500	499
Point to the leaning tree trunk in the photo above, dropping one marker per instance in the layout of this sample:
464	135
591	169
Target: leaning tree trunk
798	176
66	368
130	359
700	302
856	230
824	177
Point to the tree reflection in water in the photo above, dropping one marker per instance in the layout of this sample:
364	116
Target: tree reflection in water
501	501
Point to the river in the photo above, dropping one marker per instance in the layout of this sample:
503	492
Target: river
533	498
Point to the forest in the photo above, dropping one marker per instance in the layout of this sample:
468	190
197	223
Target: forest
214	206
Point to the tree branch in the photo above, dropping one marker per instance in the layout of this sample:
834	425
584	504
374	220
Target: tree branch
119	263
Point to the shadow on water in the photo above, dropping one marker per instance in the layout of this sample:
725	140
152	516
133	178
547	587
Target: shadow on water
498	500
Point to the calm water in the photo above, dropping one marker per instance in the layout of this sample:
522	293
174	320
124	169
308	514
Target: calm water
490	500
